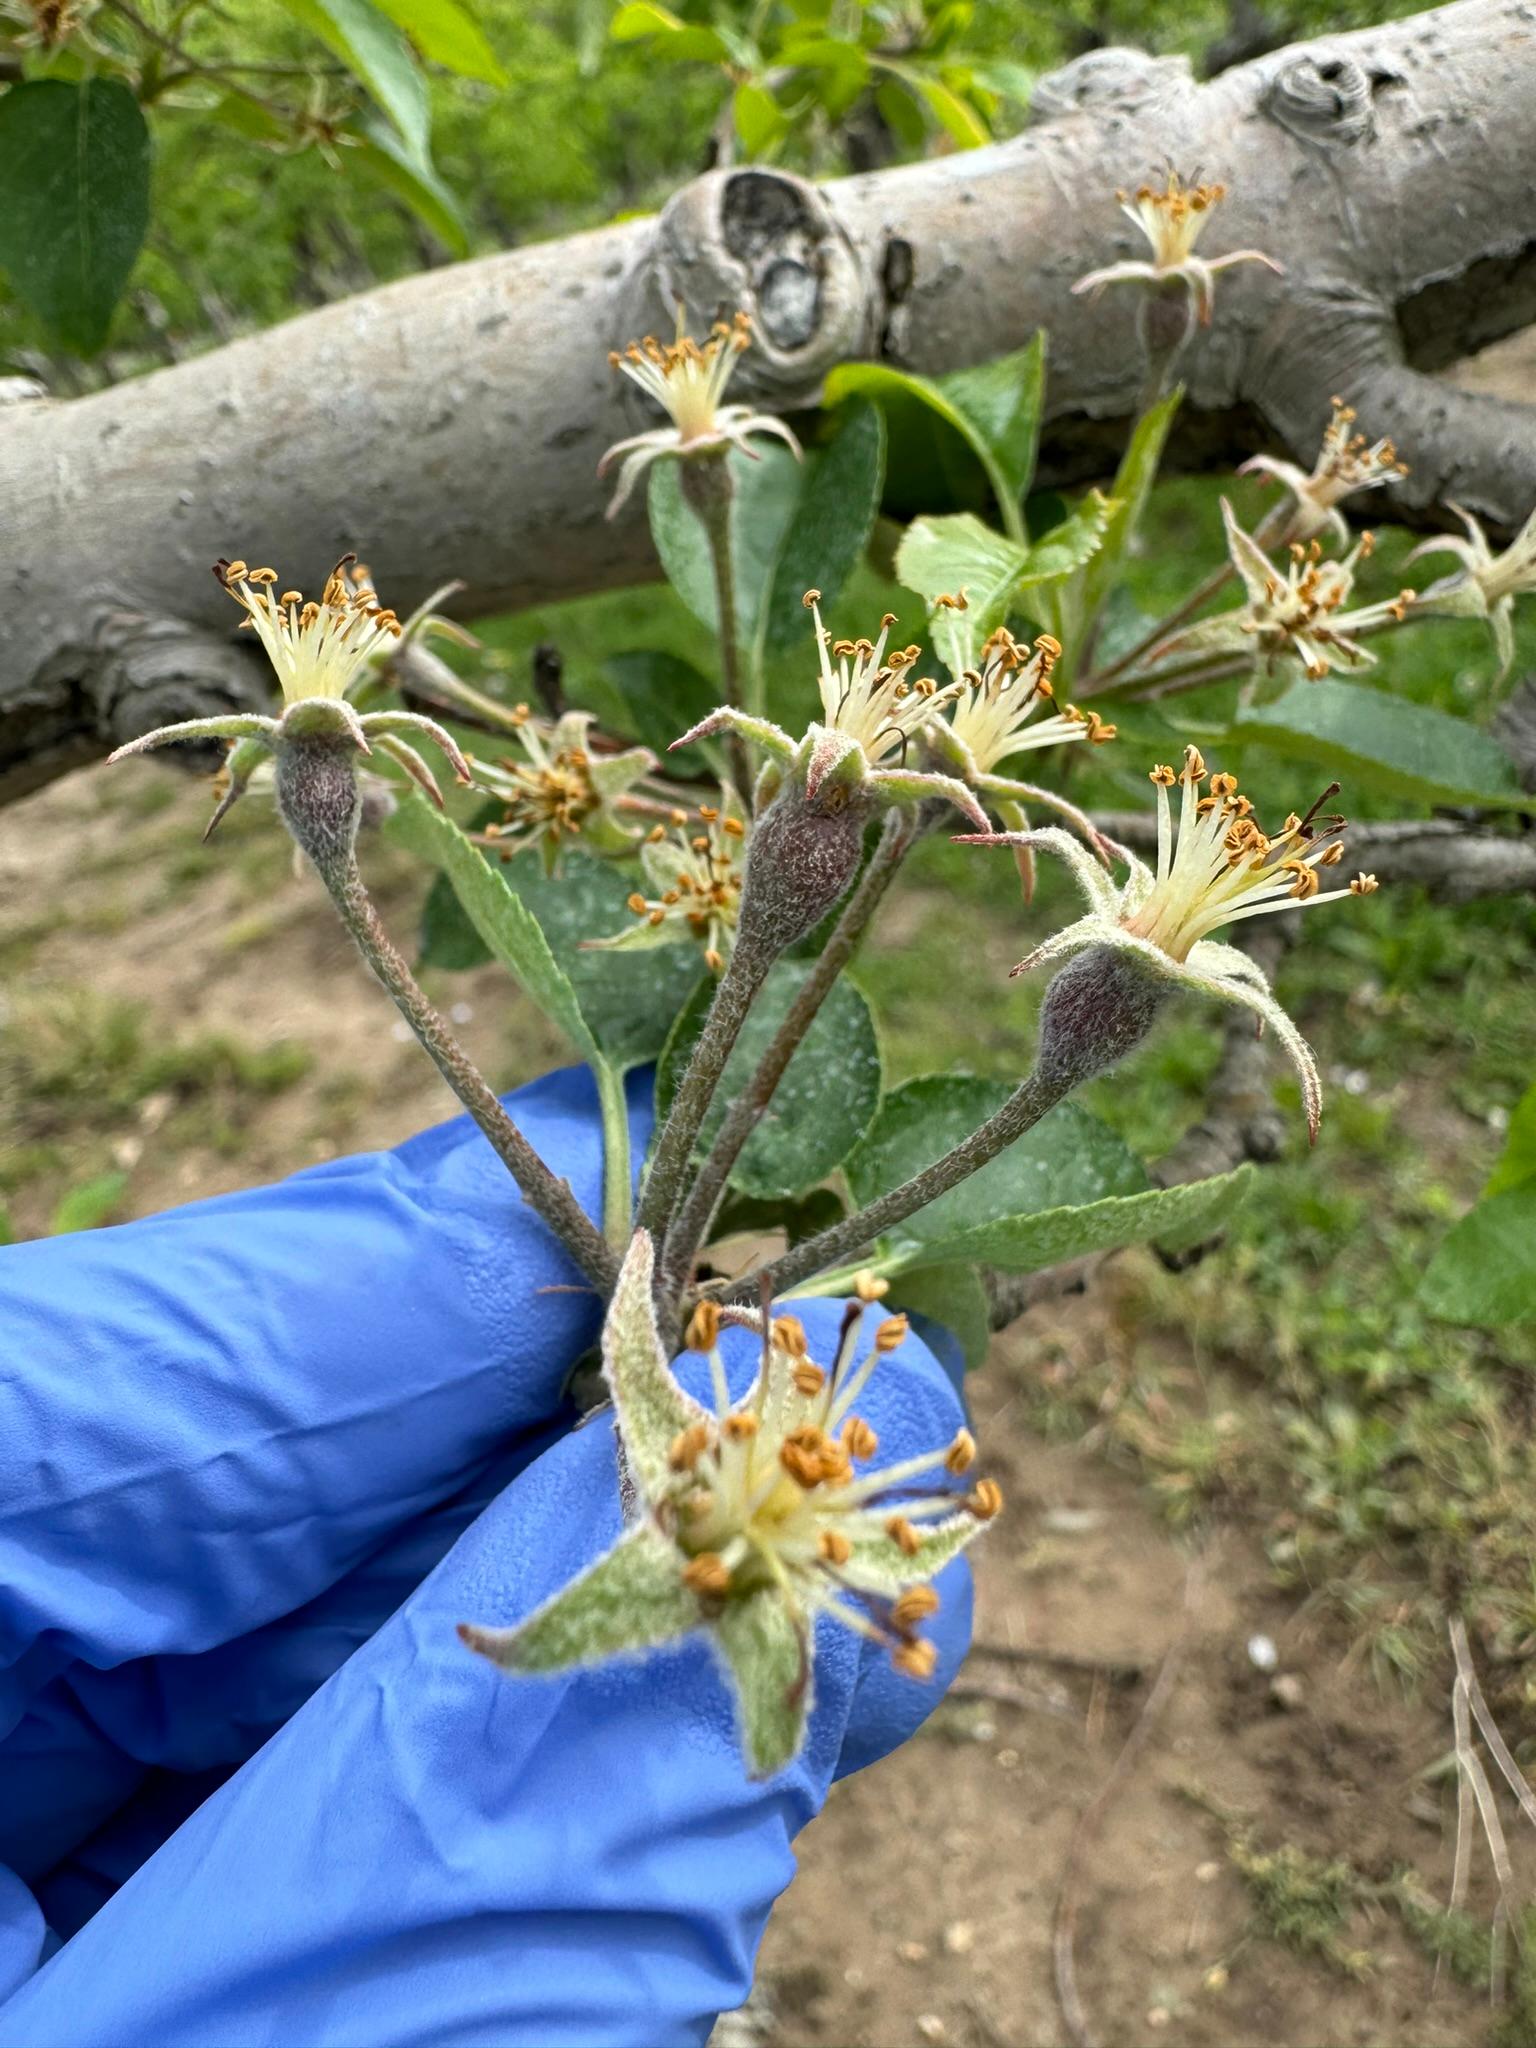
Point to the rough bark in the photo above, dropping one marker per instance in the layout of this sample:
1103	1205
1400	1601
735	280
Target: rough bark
450	425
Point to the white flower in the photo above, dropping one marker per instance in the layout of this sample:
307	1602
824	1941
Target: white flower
320	650
688	379
995	716
1346	463
1492	581
1299	612
696	877
564	787
754	1519
1171	218
1215	868
872	708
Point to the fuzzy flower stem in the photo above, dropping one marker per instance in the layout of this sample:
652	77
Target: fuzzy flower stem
550	1197
708	488
744	976
902	829
835	1246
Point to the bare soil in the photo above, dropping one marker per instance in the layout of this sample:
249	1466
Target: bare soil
924	1906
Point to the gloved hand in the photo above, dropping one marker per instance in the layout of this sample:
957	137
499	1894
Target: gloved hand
232	1440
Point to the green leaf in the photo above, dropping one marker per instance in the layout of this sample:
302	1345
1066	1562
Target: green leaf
502	920
374	50
953	1296
653	697
1176	1217
90	1205
1080	599
1517	1162
822	1106
1071	544
1001	402
958	552
994	409
1484	1272
769	1665
830	526
793	524
385	157
760	121
1070	1158
1404	749
630	1600
74	201
448	34
960	122
673	37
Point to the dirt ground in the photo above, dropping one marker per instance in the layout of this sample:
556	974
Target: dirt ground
925	1902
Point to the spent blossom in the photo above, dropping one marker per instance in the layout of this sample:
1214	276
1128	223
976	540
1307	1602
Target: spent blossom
1172	216
1006	706
564	787
756	1516
1300	610
873	709
1491	582
696	877
688	379
1215	867
321	650
1346	463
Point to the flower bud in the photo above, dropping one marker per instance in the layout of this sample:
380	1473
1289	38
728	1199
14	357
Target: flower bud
1098	1008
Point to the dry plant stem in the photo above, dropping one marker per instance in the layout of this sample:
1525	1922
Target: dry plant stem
742	1118
1068	1898
542	1190
665	1182
1020	1113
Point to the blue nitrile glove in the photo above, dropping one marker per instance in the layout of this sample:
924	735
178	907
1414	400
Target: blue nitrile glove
363	1878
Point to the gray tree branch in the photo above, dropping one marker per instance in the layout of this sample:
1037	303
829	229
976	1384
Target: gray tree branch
450	424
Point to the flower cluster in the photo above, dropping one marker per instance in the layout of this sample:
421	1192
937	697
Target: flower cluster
1300	612
1171	216
321	649
696	876
756	1515
565	787
1345	463
1215	867
688	379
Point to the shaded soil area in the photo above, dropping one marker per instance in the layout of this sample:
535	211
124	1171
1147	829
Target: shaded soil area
175	1022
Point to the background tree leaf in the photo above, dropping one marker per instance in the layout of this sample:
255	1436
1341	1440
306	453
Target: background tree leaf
448	34
830	525
1517	1162
74	201
959	552
1402	748
1484	1272
385	157
823	1105
375	51
649	695
951	1295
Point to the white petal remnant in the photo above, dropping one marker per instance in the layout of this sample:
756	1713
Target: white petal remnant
1345	463
1300	611
1490	582
320	650
1171	216
1215	867
756	1517
565	787
688	380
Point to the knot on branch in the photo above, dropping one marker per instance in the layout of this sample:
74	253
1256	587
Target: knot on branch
766	242
1103	80
151	672
1320	97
